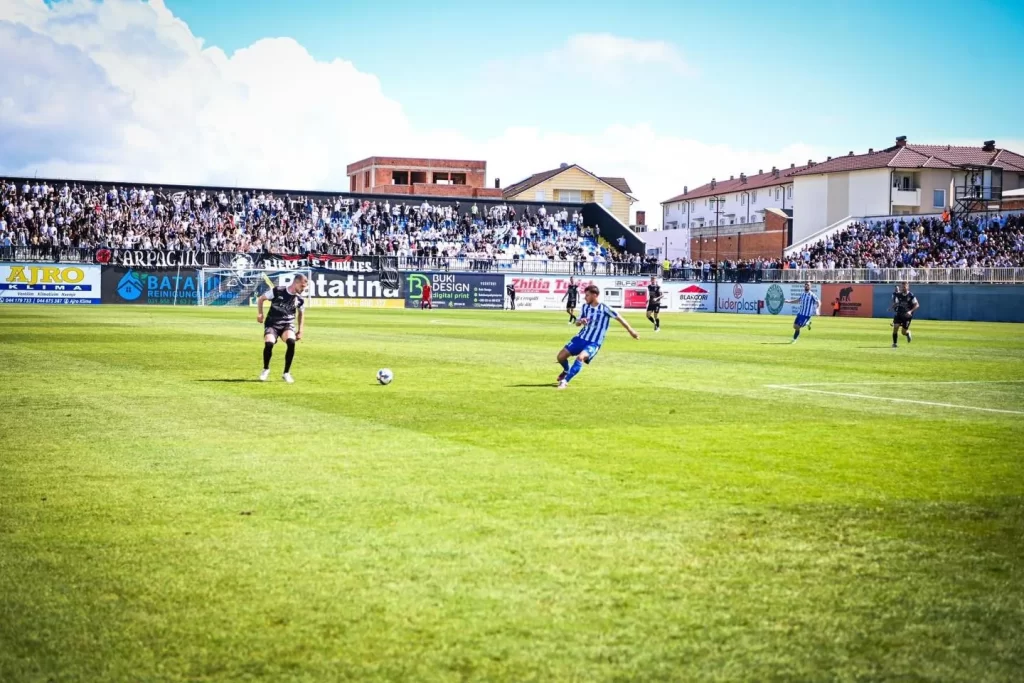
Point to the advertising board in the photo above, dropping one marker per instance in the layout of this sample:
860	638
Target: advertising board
456	290
345	285
139	286
22	283
855	301
688	297
768	298
545	292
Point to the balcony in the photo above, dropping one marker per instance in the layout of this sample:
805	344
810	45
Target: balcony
906	197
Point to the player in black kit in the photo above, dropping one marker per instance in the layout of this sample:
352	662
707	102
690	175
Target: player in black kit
285	306
904	303
654	303
571	296
510	289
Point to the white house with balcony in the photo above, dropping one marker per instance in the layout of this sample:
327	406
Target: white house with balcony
904	179
739	201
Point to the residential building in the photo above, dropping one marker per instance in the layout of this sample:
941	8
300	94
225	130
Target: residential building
574	184
421	177
902	179
740	200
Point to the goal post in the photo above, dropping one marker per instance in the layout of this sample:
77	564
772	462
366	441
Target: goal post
241	287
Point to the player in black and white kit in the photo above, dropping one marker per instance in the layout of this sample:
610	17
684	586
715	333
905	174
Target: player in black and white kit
904	303
285	305
571	297
654	303
510	289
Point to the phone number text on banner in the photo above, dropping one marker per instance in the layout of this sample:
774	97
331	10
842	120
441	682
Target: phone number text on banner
25	283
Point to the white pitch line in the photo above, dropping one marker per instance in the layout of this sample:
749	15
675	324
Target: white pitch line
870	384
895	400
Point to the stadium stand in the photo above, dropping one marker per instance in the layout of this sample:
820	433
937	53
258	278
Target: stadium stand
995	241
58	216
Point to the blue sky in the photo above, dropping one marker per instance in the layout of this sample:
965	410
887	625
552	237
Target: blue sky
829	74
285	94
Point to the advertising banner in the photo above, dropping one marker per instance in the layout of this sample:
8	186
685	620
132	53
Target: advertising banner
545	292
138	286
338	285
355	264
768	298
855	301
688	297
50	284
156	258
635	297
456	290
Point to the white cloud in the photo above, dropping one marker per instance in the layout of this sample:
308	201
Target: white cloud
122	90
602	51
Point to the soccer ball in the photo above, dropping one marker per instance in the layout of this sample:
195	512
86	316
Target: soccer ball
384	376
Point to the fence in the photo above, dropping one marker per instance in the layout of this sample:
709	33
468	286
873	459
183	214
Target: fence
534	266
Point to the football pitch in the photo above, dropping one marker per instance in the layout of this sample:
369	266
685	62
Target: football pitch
707	503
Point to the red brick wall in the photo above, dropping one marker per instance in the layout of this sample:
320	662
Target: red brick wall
431	190
748	246
407	162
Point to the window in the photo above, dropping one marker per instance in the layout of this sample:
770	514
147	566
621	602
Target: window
607	200
743	200
789	192
939	199
574	196
776	194
753	196
538	196
366	180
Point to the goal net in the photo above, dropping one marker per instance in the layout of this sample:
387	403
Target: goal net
241	287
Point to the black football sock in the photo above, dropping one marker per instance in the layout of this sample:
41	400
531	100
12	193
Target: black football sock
289	354
895	335
268	351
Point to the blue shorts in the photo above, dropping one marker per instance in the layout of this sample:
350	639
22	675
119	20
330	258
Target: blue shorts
576	346
802	320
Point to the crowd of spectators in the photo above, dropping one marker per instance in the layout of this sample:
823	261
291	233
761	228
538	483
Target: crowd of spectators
75	216
928	242
62	216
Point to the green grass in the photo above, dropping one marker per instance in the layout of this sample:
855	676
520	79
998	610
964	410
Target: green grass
669	517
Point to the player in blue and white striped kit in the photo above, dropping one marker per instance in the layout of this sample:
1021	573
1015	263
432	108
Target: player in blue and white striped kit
809	306
595	318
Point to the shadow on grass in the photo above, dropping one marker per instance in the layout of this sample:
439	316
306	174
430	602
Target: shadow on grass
547	385
232	380
774	343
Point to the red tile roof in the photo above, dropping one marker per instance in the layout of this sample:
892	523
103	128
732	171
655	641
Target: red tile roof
619	184
753	182
910	156
922	156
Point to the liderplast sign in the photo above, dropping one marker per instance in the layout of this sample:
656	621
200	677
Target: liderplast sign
768	299
33	283
456	290
141	286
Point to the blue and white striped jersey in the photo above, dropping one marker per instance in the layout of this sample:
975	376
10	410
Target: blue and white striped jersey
808	304
598	318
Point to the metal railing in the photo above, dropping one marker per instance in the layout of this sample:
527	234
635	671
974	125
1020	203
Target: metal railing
1010	275
532	266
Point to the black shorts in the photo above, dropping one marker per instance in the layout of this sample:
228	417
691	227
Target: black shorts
570	304
902	321
654	307
277	327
